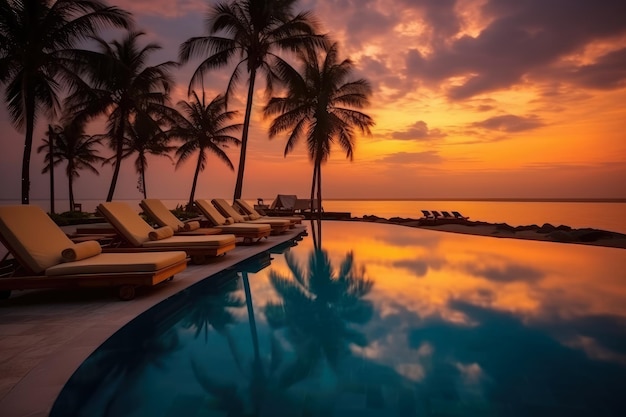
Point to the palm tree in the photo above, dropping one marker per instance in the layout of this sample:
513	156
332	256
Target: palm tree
38	57
319	106
69	143
253	31
123	87
203	128
318	309
144	136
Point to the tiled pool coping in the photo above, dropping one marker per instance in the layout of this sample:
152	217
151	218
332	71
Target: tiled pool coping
46	335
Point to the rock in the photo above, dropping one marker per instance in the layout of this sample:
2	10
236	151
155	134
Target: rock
371	218
527	228
400	220
505	227
546	228
591	235
562	236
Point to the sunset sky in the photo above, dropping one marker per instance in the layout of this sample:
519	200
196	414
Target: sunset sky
471	99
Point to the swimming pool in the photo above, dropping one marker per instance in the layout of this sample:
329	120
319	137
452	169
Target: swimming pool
413	322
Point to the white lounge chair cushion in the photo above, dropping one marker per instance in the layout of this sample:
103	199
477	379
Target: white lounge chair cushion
228	209
245	228
191	241
161	214
32	234
191	226
118	263
82	250
212	213
161	233
124	218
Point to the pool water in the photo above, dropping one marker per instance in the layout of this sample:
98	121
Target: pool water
365	319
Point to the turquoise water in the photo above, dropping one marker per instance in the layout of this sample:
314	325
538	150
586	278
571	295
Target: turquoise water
364	319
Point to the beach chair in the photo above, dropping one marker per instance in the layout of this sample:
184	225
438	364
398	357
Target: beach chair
427	215
446	215
278	225
248	231
139	236
46	258
161	215
246	208
459	215
436	215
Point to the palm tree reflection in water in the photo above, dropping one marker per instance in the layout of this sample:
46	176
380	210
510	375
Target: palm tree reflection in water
311	324
318	308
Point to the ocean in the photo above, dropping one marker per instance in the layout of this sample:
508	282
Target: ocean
577	214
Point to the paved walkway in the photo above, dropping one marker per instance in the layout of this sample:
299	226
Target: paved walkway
46	334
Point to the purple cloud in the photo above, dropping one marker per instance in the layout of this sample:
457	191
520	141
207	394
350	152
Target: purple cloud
401	158
523	39
510	123
418	131
608	72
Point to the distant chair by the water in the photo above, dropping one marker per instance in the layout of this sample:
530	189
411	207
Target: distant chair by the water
459	216
447	215
436	214
428	218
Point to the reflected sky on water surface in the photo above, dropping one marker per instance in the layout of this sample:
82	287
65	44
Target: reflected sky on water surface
381	320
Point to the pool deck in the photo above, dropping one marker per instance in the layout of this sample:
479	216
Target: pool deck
46	334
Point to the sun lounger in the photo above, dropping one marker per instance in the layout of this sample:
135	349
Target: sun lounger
248	231
161	215
246	208
278	225
139	236
427	215
436	214
447	215
459	215
47	258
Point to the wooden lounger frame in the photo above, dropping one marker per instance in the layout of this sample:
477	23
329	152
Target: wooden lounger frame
198	256
126	282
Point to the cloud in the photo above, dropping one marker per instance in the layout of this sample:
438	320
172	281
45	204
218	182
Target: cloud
420	267
510	123
521	40
418	131
608	72
167	8
506	273
427	157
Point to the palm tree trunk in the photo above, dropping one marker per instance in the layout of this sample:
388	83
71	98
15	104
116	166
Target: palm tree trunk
118	155
195	180
143	176
258	377
28	146
313	183
244	136
319	189
70	176
51	162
